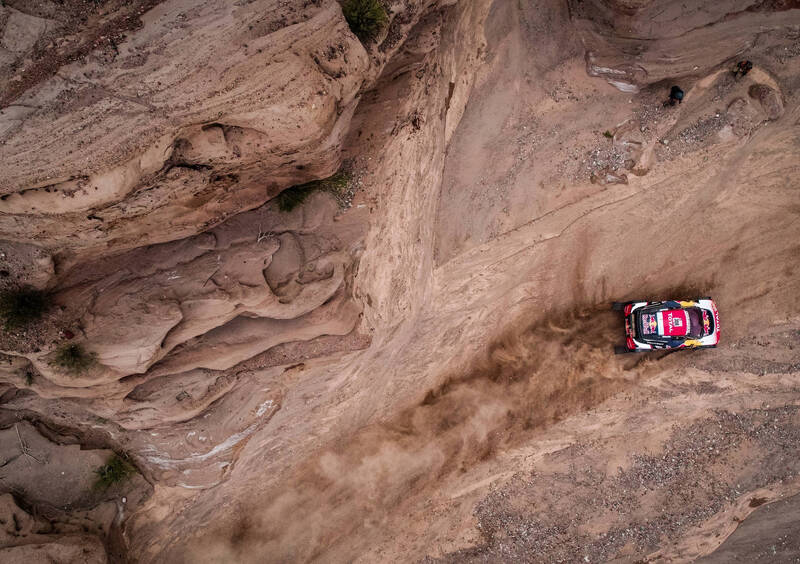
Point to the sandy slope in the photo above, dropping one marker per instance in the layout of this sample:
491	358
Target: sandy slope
486	420
529	246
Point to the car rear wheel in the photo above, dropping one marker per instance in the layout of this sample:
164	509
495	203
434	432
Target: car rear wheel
621	350
704	298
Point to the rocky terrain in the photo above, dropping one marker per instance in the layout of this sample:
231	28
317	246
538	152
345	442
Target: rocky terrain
317	296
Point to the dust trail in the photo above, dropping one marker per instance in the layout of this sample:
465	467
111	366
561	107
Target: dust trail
528	378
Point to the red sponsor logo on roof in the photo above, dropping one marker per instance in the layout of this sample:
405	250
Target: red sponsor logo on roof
676	323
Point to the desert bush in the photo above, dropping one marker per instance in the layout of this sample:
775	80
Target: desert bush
116	470
74	358
366	18
21	306
292	197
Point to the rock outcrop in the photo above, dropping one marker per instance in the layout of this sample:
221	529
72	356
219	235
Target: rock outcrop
130	171
231	340
57	510
633	43
206	111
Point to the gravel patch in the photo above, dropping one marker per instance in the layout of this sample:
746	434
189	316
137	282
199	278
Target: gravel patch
702	469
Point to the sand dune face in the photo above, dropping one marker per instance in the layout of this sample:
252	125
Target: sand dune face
423	369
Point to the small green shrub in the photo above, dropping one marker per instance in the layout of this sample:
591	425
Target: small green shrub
74	358
296	195
336	184
116	470
608	134
21	306
366	18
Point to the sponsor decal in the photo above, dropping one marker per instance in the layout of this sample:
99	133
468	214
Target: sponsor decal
674	320
649	323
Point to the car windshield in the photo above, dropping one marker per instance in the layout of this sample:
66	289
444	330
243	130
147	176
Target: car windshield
695	322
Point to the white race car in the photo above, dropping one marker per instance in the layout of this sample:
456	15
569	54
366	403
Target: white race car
669	325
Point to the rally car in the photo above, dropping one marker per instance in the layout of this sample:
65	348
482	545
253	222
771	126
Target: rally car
669	325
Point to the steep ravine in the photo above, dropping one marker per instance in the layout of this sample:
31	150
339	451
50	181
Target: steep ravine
191	336
352	379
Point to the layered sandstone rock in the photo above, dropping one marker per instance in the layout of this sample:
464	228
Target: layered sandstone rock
122	168
632	43
208	110
228	335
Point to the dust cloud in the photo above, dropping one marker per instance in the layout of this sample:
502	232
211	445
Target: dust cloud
528	378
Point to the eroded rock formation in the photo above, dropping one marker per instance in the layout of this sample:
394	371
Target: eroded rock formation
632	43
233	342
177	131
196	116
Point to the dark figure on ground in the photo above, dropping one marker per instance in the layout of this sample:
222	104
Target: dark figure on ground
742	68
675	95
